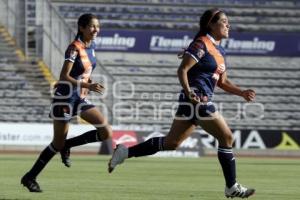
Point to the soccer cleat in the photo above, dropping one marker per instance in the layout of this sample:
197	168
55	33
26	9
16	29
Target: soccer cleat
65	157
119	155
238	190
30	183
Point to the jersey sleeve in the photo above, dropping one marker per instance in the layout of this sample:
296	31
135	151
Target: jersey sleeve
196	49
71	53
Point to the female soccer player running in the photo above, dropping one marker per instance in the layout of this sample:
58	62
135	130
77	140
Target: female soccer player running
70	100
202	68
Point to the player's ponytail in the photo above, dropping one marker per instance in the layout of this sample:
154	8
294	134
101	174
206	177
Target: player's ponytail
83	21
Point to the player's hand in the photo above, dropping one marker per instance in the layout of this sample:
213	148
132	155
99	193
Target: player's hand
248	95
96	87
194	98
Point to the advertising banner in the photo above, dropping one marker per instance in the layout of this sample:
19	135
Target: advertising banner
243	139
258	139
169	41
41	135
35	134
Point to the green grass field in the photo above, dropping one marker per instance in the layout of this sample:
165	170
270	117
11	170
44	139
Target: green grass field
148	179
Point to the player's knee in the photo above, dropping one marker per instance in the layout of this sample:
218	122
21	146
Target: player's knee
229	138
226	139
105	132
171	145
58	145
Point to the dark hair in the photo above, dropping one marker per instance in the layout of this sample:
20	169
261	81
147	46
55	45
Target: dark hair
208	17
83	21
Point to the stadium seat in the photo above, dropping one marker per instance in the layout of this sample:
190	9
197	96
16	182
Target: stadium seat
263	16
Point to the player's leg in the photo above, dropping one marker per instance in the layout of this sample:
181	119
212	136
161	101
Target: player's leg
60	132
217	126
102	132
180	130
96	118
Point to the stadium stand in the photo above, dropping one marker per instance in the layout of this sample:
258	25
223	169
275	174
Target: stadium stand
156	87
23	89
180	14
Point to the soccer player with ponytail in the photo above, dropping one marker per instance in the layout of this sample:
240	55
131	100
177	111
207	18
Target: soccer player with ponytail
201	70
70	100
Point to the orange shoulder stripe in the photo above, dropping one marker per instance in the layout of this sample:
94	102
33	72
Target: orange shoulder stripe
83	55
212	50
87	64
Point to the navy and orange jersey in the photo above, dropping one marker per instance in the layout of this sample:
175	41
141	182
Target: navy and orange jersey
84	60
210	64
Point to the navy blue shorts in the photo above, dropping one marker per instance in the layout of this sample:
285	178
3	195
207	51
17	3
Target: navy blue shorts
193	112
65	109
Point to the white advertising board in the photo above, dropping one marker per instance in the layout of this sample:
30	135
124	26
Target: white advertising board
35	134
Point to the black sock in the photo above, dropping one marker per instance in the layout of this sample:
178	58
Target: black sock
146	148
227	162
88	137
45	156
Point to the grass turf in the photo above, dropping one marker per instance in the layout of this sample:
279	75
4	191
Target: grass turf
148	178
